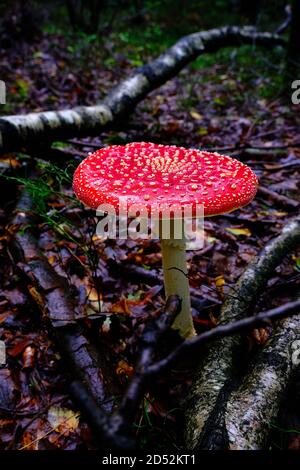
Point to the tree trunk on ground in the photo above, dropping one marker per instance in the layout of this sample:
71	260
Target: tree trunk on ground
252	407
27	131
59	307
221	368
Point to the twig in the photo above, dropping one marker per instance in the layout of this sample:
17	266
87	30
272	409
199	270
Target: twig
84	144
150	338
249	148
284	201
101	424
286	22
268	133
277	167
193	345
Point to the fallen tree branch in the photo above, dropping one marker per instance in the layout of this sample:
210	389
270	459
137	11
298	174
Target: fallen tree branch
123	418
252	149
283	201
286	23
84	360
252	407
25	131
220	367
147	370
191	346
52	294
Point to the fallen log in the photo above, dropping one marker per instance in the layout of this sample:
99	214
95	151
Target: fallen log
54	297
191	346
27	131
87	364
251	408
220	368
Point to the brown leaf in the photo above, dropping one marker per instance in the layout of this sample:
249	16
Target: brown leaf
123	368
260	335
63	420
28	357
19	347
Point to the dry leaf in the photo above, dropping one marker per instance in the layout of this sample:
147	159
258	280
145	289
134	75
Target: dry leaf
123	368
63	420
38	298
196	115
220	282
28	357
239	231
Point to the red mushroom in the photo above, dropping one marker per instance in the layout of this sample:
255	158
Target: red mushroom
151	174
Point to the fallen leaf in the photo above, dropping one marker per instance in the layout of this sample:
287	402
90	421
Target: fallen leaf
123	368
28	357
260	335
63	420
239	231
202	131
37	297
4	316
105	328
19	347
196	115
220	282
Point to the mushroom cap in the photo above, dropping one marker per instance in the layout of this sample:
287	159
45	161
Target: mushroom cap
154	174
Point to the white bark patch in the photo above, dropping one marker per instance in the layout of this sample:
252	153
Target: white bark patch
96	115
52	118
26	124
70	117
131	87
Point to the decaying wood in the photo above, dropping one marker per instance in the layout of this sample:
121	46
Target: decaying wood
27	131
56	300
221	365
251	408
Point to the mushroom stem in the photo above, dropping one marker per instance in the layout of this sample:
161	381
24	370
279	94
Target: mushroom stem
176	280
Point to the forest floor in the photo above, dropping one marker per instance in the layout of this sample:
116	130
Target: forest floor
226	100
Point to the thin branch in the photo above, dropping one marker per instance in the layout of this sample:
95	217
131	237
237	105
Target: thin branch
193	345
149	341
284	201
247	147
286	23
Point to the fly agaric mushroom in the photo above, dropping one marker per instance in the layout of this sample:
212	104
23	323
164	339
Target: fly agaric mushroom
151	174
